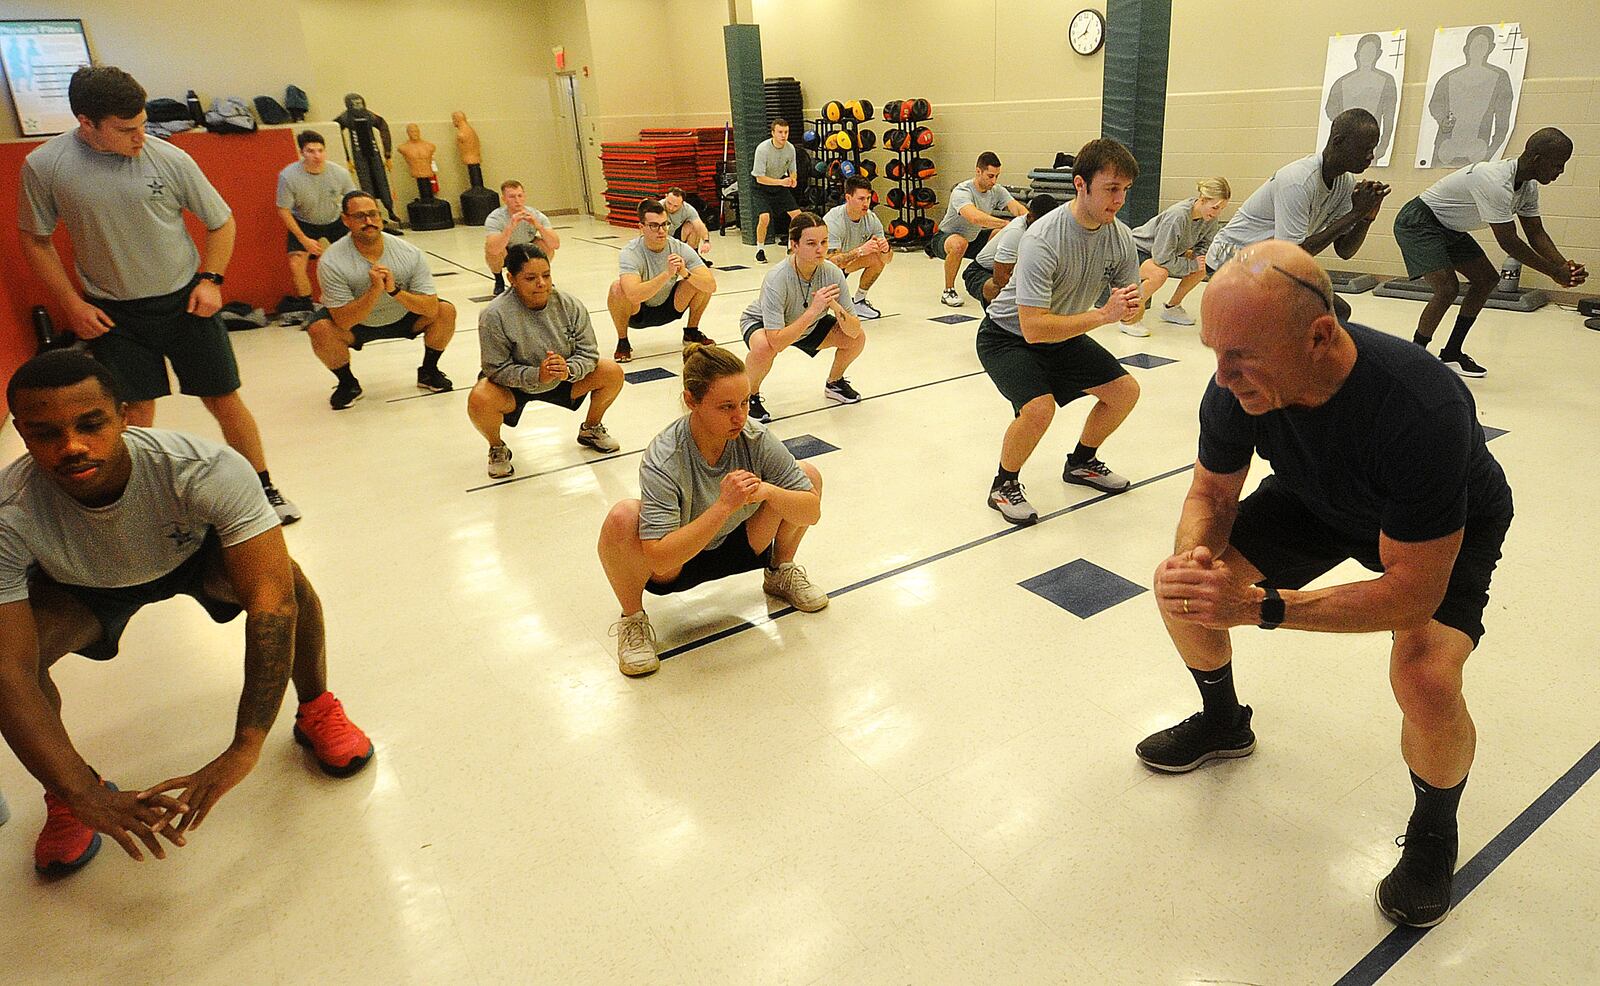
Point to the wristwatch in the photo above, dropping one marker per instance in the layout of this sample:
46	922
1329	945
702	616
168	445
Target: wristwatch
1271	609
212	276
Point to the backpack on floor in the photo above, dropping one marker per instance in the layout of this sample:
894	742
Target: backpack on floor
230	115
270	110
294	100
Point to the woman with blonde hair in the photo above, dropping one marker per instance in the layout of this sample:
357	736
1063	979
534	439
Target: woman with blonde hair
719	495
1174	244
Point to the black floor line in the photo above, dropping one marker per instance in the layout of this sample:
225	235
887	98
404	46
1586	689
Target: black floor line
1376	963
598	243
431	393
457	263
622	455
1007	531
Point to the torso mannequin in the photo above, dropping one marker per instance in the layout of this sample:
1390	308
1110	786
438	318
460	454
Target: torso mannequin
466	139
417	152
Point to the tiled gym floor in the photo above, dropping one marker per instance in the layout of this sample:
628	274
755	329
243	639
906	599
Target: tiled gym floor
932	781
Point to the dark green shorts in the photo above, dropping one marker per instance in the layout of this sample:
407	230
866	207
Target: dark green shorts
151	331
1428	245
1024	371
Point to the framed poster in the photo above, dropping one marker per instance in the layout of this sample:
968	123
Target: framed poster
1474	86
1364	71
39	57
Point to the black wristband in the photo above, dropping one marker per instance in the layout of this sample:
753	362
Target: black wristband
1271	610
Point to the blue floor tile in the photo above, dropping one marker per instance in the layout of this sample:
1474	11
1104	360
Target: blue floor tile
1083	588
1145	361
954	319
645	376
806	446
1490	434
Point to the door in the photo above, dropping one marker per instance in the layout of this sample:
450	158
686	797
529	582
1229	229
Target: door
572	110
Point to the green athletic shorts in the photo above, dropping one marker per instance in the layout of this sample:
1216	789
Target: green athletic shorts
152	331
1428	245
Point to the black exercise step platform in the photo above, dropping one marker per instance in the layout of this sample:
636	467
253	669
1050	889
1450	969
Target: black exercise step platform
1520	300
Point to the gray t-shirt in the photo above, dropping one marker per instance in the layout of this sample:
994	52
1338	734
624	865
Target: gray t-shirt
965	194
1173	232
1066	268
314	198
1293	204
343	272
1481	194
772	161
636	258
845	233
785	294
676	484
181	488
499	219
513	338
686	214
124	214
1007	239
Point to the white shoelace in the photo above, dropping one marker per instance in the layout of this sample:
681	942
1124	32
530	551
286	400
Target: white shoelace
634	634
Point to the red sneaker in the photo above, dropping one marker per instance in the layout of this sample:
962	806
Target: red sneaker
340	747
65	844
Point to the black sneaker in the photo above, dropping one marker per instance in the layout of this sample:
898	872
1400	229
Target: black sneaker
1463	364
758	410
695	335
761	256
1194	741
1012	502
840	392
345	394
624	353
1416	892
433	380
1095	474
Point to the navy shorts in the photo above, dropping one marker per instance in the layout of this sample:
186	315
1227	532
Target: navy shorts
1291	546
1024	371
974	277
975	244
332	232
149	333
810	343
652	315
733	556
113	608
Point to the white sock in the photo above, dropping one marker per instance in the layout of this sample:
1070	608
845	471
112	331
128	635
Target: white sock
861	296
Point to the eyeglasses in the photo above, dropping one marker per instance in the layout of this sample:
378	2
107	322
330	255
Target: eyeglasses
1248	260
369	214
658	227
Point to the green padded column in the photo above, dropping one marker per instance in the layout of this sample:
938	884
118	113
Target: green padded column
747	96
1134	102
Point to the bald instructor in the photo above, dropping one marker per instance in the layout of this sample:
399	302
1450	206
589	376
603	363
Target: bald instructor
1377	456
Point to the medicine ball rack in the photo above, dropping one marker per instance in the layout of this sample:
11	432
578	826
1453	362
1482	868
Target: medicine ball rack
911	198
837	142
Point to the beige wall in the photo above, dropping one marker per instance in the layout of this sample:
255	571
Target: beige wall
1243	117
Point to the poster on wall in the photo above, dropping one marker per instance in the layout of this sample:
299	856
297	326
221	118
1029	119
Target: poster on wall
38	58
1474	85
1364	71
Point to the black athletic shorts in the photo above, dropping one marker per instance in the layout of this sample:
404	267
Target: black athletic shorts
404	328
1024	370
150	332
733	556
113	608
776	200
974	277
332	232
810	343
1427	245
1291	546
652	315
975	244
560	395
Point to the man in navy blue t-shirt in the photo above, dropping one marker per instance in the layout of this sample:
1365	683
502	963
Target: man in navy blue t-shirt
1377	456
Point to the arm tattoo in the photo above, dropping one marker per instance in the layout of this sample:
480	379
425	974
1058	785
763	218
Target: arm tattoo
268	659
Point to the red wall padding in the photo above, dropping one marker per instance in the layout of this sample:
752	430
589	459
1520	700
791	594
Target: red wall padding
243	167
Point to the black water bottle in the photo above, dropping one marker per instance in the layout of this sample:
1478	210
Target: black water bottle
196	112
43	328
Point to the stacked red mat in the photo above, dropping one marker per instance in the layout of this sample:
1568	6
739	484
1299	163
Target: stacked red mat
639	170
710	151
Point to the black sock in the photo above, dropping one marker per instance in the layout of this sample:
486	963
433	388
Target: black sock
1004	476
1421	339
265	477
1216	692
344	375
430	357
1436	806
1083	453
499	282
1458	335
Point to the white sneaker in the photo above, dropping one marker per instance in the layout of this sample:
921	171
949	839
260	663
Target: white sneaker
288	513
951	298
636	645
1137	329
1176	315
597	438
789	582
500	462
864	309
